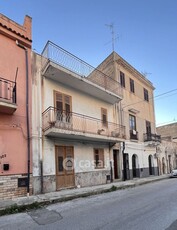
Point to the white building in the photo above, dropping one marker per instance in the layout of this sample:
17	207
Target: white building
78	134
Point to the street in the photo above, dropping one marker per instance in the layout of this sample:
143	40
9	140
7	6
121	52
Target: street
148	207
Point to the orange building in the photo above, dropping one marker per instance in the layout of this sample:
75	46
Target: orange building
15	107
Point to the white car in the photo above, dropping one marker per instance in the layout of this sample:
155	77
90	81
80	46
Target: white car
174	173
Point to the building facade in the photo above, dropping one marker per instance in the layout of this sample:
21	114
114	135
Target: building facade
15	107
136	113
167	150
81	133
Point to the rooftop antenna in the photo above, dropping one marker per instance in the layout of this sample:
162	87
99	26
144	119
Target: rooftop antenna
111	26
145	74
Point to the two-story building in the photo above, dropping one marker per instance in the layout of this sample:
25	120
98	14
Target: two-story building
136	113
76	130
15	107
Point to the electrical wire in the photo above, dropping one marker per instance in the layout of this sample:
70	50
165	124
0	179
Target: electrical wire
151	98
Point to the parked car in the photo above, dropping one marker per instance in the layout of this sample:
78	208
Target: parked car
173	173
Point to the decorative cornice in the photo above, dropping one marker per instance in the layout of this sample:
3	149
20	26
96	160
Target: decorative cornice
15	32
133	71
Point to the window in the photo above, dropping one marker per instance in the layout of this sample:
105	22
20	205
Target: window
132	87
148	127
122	79
132	122
63	106
104	117
99	158
146	95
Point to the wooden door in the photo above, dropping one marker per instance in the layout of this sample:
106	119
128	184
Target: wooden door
134	165
126	171
115	156
64	167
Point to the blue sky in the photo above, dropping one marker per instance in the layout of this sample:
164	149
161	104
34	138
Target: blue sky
146	32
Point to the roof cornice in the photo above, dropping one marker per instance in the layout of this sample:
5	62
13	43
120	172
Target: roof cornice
132	70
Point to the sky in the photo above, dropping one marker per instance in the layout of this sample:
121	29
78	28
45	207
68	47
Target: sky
145	36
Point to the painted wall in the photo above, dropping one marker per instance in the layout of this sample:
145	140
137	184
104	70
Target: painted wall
145	110
83	155
81	103
142	152
13	132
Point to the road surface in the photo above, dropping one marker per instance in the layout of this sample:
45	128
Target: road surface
148	207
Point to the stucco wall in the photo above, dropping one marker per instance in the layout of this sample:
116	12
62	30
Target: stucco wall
13	131
83	155
81	103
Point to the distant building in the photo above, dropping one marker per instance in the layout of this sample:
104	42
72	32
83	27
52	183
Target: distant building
167	150
15	107
168	131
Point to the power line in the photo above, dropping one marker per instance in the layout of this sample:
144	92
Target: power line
162	94
167	96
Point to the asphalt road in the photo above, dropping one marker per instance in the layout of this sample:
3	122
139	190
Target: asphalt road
148	207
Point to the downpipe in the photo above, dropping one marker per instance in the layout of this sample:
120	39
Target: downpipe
27	115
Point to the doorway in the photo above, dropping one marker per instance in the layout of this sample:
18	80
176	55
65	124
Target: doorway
116	167
163	165
126	171
135	166
64	167
150	165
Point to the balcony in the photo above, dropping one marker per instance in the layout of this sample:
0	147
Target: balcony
71	125
7	96
152	139
61	66
133	135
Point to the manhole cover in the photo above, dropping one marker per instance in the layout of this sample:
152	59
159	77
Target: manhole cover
44	216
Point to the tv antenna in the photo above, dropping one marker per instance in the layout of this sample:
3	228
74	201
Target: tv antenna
145	74
111	26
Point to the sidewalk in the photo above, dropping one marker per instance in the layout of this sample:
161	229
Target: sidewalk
69	194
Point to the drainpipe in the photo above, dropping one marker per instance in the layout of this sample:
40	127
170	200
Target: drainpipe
27	115
123	149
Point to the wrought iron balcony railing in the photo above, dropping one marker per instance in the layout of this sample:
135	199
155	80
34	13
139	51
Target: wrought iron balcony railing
133	135
61	57
53	118
8	91
152	137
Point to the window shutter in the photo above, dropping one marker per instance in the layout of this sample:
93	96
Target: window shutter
59	101
67	104
101	158
104	116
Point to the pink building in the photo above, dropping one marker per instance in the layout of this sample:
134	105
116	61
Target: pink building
15	107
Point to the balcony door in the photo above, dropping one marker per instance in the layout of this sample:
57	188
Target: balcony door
148	130
63	108
64	167
132	125
116	161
